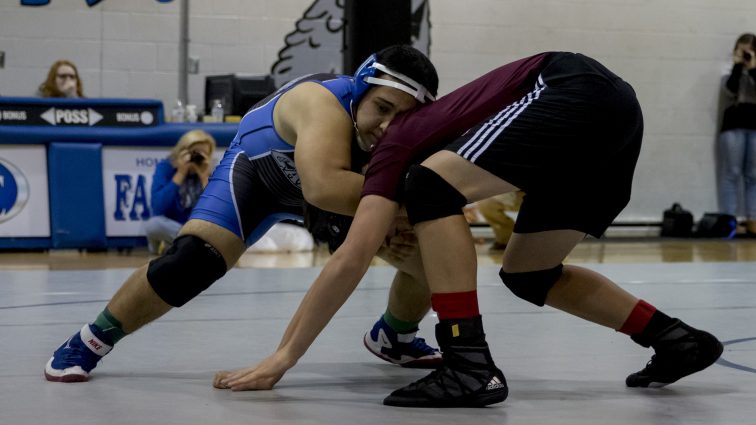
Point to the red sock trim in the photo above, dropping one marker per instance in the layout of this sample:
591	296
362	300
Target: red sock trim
638	318
456	305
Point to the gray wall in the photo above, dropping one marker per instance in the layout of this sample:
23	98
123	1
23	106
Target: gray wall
673	52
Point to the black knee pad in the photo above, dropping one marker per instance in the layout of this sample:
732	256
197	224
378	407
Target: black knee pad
189	267
428	196
532	286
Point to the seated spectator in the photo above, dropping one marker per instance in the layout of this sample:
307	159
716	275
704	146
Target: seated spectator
62	81
176	186
494	210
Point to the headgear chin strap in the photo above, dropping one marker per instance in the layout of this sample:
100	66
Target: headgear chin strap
365	76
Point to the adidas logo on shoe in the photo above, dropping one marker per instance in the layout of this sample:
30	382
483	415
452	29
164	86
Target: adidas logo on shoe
495	384
448	387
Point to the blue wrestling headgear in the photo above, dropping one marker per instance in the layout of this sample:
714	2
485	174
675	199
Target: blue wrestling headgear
366	75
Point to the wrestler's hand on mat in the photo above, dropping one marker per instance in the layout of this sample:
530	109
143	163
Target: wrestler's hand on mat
262	376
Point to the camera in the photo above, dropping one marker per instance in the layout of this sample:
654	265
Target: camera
197	158
746	56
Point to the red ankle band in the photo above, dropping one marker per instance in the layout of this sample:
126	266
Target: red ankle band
456	305
638	318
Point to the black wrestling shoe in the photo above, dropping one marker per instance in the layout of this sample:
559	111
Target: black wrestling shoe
680	351
468	378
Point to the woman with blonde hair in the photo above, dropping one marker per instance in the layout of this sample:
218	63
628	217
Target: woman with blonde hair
176	186
62	81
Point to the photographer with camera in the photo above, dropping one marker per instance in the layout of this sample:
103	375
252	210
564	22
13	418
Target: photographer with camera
737	139
176	186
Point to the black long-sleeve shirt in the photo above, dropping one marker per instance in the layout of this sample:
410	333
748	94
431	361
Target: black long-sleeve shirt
740	90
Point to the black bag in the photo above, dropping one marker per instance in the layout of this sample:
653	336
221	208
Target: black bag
325	226
677	222
716	225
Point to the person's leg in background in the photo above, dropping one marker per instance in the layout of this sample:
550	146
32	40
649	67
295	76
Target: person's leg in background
160	231
750	181
494	211
731	152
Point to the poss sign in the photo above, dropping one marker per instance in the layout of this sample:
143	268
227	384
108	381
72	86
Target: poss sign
77	114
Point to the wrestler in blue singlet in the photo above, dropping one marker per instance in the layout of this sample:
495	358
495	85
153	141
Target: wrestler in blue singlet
256	183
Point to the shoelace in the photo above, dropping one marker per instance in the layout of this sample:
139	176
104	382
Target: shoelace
433	378
664	350
75	354
420	345
650	365
656	367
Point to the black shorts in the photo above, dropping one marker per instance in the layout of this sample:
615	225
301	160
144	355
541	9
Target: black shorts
571	145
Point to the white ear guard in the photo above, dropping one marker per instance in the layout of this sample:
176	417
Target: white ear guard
365	76
409	86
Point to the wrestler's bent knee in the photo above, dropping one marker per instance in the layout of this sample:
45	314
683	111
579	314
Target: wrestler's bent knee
532	286
189	267
429	196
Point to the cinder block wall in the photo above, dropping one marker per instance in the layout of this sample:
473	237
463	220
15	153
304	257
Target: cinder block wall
673	52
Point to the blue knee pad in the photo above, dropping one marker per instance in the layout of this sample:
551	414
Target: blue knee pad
428	196
189	267
532	286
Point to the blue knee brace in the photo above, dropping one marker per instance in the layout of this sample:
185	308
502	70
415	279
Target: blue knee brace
532	286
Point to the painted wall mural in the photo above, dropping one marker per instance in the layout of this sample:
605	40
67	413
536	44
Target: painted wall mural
316	43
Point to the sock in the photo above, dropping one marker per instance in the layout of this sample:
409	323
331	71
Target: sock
111	328
456	305
398	325
638	318
645	323
659	321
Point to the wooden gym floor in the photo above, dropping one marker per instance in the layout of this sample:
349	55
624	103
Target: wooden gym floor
616	250
561	370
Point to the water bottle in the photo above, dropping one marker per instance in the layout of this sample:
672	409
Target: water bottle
178	112
191	113
217	111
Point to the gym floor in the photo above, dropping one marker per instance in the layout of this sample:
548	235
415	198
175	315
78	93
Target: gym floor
560	369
